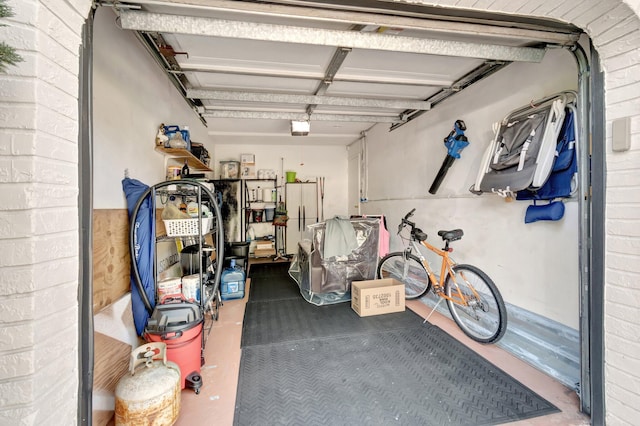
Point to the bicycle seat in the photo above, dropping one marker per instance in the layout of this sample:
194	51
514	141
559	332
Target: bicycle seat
453	235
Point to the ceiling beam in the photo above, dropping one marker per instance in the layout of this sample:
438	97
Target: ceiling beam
164	23
403	81
434	24
330	73
257	115
227	95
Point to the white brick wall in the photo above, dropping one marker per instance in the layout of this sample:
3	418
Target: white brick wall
39	216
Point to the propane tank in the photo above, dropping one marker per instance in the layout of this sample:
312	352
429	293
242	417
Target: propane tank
150	394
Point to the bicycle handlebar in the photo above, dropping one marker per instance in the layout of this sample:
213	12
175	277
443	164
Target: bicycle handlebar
405	221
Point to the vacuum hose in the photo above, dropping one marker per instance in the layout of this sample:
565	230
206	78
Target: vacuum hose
219	243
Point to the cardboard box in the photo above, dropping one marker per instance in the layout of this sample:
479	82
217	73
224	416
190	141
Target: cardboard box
264	252
377	297
247	171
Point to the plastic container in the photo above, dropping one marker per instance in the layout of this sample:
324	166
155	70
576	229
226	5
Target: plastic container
186	135
191	287
291	176
170	132
269	213
266	194
257	215
232	282
229	169
174	172
240	250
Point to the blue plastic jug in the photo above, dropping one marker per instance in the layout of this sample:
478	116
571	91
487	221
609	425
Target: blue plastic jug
232	282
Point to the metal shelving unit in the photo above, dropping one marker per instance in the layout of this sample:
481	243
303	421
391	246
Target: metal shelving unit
194	191
254	196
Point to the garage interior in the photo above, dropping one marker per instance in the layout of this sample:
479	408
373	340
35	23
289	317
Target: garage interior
366	76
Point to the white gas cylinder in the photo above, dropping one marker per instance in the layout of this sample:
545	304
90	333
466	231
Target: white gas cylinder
150	394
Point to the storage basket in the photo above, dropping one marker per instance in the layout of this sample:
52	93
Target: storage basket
184	227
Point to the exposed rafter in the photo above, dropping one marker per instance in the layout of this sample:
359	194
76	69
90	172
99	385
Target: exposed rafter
367	97
227	95
402	81
436	24
156	22
301	116
330	73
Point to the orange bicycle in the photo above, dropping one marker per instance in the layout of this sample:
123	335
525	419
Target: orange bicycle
473	299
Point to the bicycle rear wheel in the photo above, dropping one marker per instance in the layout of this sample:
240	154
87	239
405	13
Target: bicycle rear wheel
484	317
409	271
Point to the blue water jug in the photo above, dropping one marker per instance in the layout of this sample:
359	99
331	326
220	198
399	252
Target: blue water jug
232	282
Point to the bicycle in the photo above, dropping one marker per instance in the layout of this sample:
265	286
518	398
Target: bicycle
472	297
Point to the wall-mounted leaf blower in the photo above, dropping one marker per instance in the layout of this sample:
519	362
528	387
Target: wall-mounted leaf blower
455	142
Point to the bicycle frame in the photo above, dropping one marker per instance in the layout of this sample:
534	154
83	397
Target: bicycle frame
446	268
478	308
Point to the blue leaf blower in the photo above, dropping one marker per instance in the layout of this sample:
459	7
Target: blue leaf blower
455	142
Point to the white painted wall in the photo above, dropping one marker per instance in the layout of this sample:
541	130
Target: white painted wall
308	161
132	97
535	266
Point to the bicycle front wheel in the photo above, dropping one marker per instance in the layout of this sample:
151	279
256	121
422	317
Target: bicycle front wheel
476	304
408	270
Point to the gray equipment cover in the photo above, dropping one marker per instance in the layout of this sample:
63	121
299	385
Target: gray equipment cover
327	279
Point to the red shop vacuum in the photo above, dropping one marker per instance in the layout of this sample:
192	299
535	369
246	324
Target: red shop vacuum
179	325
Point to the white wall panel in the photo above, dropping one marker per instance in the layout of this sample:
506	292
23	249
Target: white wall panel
534	265
132	97
308	161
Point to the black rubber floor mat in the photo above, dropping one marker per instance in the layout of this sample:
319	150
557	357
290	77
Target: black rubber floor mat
409	376
272	283
272	268
296	319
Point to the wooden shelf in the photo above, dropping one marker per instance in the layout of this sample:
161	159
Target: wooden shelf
182	154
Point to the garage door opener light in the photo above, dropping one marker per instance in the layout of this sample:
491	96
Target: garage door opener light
300	128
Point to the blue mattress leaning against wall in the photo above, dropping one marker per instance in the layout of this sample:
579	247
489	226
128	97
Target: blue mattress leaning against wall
143	250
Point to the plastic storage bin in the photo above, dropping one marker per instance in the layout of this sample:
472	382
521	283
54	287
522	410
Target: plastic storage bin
238	250
232	282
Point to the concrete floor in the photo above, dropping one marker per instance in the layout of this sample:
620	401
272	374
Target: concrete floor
215	404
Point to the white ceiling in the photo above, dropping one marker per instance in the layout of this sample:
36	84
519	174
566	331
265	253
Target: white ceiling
248	68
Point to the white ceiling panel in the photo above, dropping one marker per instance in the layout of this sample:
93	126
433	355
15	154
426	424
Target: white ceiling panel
253	82
249	54
397	91
288	48
401	67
